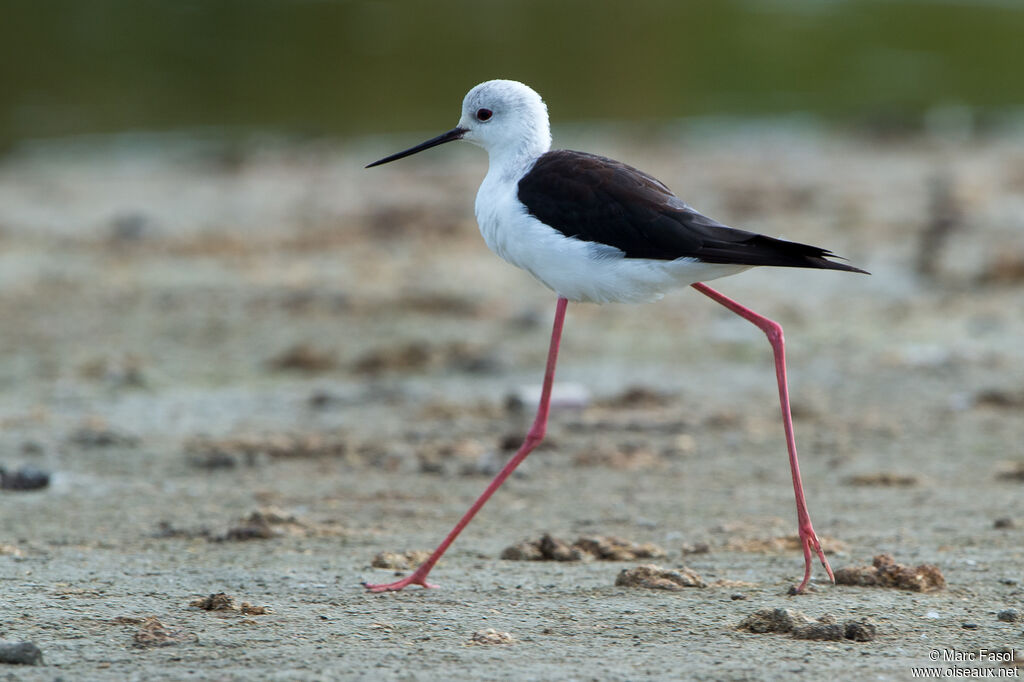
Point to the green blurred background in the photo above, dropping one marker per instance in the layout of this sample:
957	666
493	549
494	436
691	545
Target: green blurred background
339	68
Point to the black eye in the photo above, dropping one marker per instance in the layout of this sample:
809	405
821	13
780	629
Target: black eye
483	114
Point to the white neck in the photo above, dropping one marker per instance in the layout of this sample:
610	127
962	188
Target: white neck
509	162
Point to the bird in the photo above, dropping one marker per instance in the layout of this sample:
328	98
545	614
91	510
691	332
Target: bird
595	230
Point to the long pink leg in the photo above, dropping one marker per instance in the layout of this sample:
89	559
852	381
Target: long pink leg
533	438
774	333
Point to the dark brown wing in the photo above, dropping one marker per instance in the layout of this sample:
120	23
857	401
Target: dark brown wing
595	199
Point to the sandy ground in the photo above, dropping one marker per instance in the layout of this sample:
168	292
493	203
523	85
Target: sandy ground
252	371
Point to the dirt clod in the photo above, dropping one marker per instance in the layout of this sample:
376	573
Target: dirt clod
553	549
624	457
883	479
732	584
165	529
218	453
548	548
303	357
254	527
409	357
831	632
616	549
999	398
774	620
215	602
885	572
153	633
1012	471
638	397
489	637
1005	269
524	551
252	610
860	631
782	544
586	548
656	578
449	456
223	602
400	561
416	356
800	626
96	433
267	523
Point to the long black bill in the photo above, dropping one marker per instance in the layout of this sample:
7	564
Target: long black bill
453	134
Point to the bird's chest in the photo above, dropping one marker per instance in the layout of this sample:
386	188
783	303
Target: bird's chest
500	217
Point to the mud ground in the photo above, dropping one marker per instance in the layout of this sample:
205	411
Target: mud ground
250	370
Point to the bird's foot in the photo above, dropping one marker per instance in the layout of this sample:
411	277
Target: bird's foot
415	579
810	541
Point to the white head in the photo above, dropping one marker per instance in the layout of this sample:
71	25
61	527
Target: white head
504	116
507	118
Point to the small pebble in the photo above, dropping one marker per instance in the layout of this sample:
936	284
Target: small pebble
20	653
969	626
25	478
1004	523
1008	615
737	596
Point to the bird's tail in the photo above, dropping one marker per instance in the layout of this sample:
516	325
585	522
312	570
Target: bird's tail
762	250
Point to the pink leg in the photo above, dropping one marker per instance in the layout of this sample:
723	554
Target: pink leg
533	438
774	332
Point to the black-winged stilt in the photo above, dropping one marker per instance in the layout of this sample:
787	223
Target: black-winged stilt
596	230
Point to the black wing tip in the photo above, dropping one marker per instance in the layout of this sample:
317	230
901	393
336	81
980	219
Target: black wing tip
832	265
824	262
779	253
812	256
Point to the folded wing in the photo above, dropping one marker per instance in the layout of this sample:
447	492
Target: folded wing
600	200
